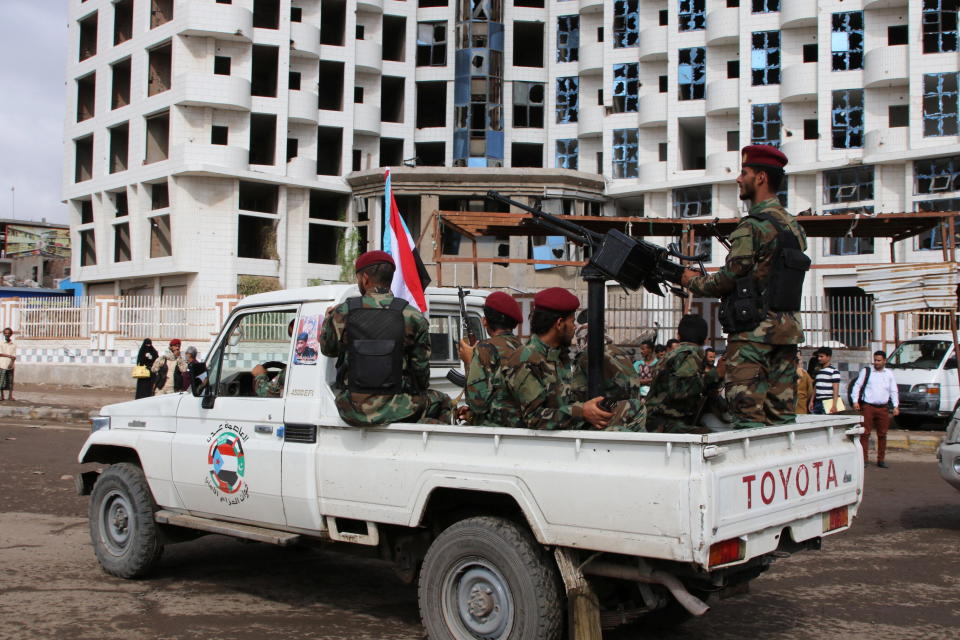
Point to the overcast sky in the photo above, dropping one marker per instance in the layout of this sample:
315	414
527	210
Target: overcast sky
33	53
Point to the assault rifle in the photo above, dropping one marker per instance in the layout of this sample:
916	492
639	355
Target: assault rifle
454	376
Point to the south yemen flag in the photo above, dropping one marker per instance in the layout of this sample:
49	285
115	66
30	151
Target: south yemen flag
410	279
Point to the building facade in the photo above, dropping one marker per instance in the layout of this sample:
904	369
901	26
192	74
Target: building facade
216	146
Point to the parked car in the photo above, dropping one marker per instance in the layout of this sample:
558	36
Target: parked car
926	373
948	454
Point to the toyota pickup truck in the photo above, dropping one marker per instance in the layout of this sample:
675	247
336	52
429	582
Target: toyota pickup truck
501	528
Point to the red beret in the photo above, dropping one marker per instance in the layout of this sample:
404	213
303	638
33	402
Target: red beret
505	304
175	342
371	258
763	155
556	299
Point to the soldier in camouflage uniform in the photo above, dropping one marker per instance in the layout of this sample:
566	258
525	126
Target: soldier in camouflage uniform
416	403
488	402
538	375
760	382
678	391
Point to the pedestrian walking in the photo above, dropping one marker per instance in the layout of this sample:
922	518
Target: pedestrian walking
8	356
145	358
872	393
168	369
826	384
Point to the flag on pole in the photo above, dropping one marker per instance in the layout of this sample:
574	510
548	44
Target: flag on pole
410	279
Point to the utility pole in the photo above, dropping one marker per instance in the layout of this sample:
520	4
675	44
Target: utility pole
13	202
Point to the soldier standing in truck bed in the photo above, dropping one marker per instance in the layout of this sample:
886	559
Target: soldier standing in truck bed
382	346
760	287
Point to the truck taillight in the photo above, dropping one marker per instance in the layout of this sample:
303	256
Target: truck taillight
835	518
727	551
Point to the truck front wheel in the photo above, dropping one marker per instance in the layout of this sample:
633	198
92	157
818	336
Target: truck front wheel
122	528
487	578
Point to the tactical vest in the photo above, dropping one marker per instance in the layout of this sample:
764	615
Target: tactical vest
375	347
747	305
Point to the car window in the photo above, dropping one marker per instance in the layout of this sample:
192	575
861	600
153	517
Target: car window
919	354
260	337
445	333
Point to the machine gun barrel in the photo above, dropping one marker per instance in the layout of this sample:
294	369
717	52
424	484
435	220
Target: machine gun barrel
555	223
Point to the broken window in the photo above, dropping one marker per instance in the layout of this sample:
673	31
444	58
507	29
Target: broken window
266	14
765	57
119	146
527	44
692	142
331	86
161	12
431	104
764	6
625	151
940	104
936	175
940	25
851	246
846	40
567	153
88	36
626	87
256	238
158	137
693	202
850	184
847	119
391	152
120	90
333	17
86	96
263	138
322	243
88	248
83	158
391	99
160	238
159	196
122	21
933	239
528	104
258	196
158	79
263	81
692	15
568	38
431	44
328	206
86	211
394	37
121	242
526	154
121	206
626	23
692	73
430	154
568	99
766	124
329	150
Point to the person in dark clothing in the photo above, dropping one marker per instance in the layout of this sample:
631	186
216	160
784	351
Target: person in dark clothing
196	370
146	357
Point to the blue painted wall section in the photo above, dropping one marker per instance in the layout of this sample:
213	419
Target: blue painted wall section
478	85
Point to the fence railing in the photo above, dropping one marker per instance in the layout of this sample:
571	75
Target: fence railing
56	317
166	317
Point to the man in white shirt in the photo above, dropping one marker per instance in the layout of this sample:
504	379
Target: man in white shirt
871	393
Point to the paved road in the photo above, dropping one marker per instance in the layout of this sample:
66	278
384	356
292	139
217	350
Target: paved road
896	574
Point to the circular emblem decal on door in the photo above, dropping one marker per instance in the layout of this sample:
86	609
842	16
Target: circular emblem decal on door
226	462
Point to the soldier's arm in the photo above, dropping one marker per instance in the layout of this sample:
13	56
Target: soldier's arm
330	332
531	396
739	263
479	389
418	357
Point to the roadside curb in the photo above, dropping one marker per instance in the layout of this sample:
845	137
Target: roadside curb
913	442
46	413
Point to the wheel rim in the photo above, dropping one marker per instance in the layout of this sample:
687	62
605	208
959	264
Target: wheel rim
477	600
115	522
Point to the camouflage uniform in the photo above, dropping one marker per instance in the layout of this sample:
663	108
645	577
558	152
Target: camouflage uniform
538	377
677	391
761	376
264	387
486	394
417	403
620	384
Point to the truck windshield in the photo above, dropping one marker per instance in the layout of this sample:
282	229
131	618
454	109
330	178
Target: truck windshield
919	354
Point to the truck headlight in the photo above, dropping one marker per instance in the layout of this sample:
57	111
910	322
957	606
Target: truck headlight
99	422
932	389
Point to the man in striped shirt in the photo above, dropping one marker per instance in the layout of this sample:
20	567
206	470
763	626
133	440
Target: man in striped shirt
826	384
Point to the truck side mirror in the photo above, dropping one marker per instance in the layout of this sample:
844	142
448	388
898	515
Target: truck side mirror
209	397
951	363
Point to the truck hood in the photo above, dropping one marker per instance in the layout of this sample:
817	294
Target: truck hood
916	376
165	405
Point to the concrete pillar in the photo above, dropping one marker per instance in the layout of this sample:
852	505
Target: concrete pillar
10	313
225	304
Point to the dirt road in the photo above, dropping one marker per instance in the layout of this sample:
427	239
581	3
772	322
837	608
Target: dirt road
896	574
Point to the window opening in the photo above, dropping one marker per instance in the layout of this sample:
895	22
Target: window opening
333	18
898	34
733	68
765	57
431	44
940	104
88	36
692	73
692	143
626	23
329	150
119	147
626	87
121	242
811	129
392	99
83	158
121	204
851	184
86	96
266	14
160	244
88	248
625	150
218	134
933	239
158	137
691	15
122	21
431	104
526	154
763	6
293	80
86	211
159	63
256	237
528	104
391	152
161	12
936	175
159	196
527	44
733	140
394	37
568	38
263	138
323	242
692	202
940	25
265	63
430	154
221	65
898	115
847	119
568	99
846	40
810	53
766	124
567	153
331	86
120	93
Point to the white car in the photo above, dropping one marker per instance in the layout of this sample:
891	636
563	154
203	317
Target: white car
948	454
926	373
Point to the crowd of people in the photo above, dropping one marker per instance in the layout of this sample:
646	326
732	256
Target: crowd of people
169	372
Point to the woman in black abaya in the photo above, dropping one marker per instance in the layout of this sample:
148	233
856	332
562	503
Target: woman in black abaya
146	357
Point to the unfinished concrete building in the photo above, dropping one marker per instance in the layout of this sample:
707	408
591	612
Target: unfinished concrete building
246	139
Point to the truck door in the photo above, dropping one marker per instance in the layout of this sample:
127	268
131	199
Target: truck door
226	452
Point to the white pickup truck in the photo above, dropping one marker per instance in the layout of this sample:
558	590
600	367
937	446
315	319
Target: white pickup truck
501	526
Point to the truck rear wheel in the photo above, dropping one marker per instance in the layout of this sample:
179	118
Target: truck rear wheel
124	534
487	578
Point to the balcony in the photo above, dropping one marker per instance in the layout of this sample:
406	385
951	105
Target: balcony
204	158
885	4
302	107
590	121
724	164
301	168
798	13
653	44
800	152
723	26
723	97
886	140
369	56
653	110
653	174
799	83
886	67
591	6
210	90
373	6
366	119
215	20
591	59
304	40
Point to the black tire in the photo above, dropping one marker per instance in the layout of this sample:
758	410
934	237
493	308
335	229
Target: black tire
486	577
125	537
